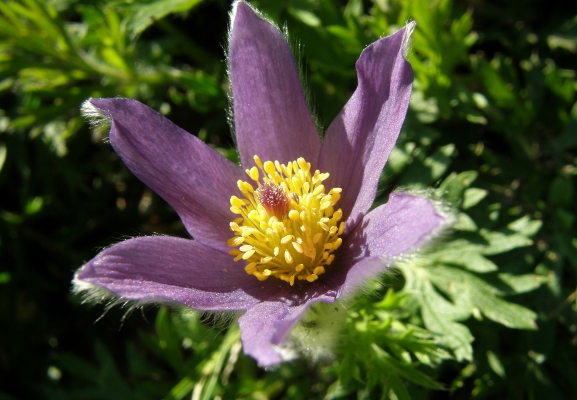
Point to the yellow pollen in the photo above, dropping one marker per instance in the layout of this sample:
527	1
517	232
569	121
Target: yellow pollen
285	225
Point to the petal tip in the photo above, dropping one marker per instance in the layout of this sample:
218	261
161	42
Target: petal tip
90	292
101	103
241	11
244	8
409	29
94	115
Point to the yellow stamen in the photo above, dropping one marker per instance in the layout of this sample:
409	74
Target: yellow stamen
287	227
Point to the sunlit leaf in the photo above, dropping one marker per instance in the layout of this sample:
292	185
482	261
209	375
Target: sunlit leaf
147	12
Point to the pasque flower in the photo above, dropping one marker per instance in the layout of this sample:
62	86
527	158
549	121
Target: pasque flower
292	227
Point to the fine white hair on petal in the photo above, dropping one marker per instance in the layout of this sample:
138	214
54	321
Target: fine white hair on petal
219	320
256	11
286	351
317	333
407	40
95	117
94	294
367	287
444	208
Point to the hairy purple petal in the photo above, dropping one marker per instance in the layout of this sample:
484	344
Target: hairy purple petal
283	327
402	225
268	324
271	117
257	328
161	268
195	179
360	139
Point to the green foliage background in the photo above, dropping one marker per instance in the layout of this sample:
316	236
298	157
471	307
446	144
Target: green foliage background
489	312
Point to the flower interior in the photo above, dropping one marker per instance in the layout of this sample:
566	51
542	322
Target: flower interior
288	226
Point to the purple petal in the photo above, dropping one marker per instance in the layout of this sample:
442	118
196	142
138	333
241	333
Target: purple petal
360	139
398	227
268	324
257	330
283	327
196	180
271	117
161	268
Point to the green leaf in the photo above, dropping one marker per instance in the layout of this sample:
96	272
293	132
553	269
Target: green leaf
406	370
455	184
498	88
347	41
507	314
465	254
560	192
465	288
525	226
349	368
338	391
146	13
440	160
500	242
465	223
562	42
3	153
114	59
400	157
169	340
427	109
472	197
110	379
4	277
182	389
495	364
217	362
398	387
304	16
429	170
522	283
33	206
439	316
77	367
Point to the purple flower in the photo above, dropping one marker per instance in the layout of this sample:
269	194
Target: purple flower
301	232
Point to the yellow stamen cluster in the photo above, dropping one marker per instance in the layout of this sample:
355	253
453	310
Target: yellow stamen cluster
287	227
